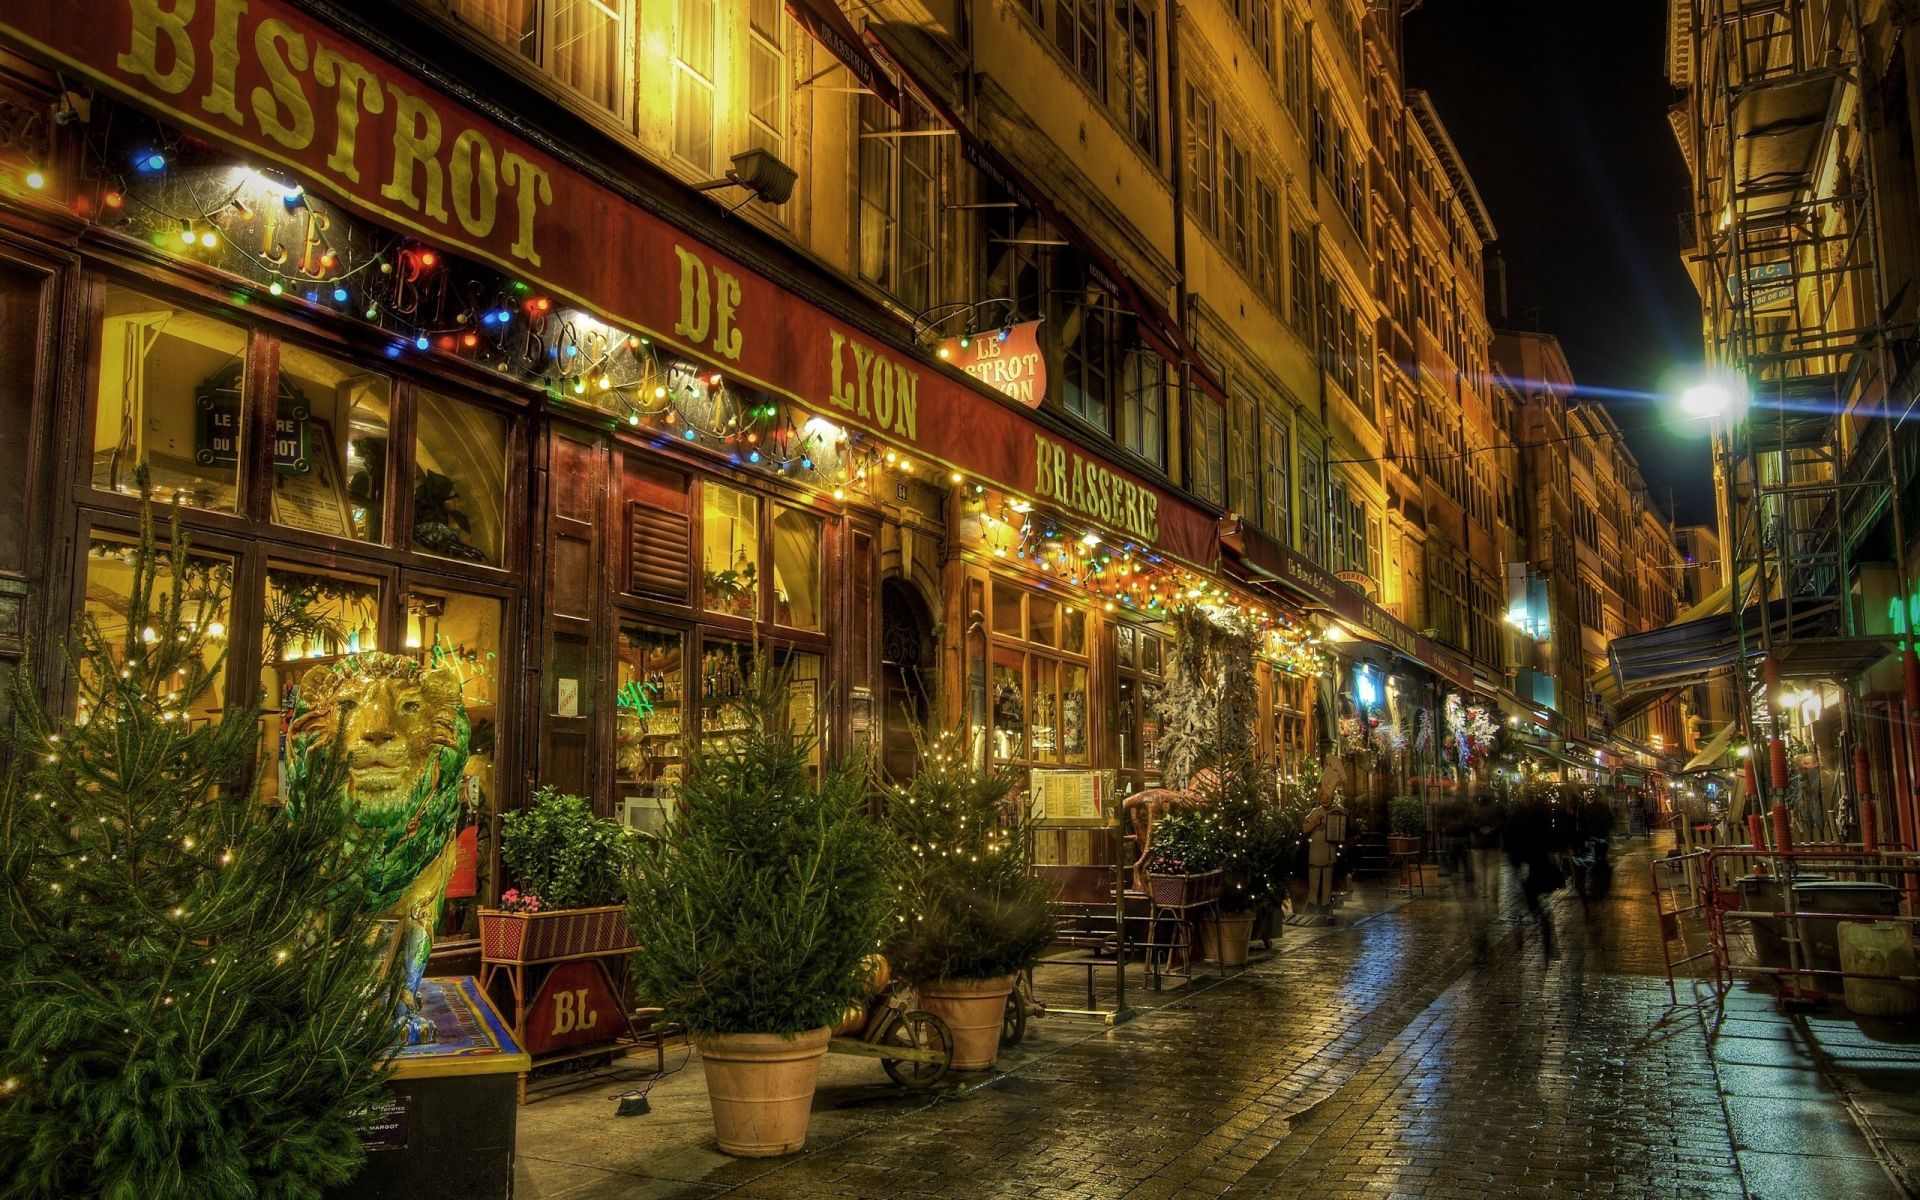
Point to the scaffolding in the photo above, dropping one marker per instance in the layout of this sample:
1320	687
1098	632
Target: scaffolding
1781	146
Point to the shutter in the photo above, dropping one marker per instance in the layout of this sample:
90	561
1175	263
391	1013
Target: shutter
659	552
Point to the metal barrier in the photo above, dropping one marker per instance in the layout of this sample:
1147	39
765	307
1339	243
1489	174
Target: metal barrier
1690	914
1789	866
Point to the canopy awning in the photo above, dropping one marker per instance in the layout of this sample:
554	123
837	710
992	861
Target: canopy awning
1713	751
1690	652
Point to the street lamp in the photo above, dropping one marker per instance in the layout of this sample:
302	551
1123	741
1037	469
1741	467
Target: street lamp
1706	400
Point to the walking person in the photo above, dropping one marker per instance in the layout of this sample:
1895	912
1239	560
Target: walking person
1534	842
1484	832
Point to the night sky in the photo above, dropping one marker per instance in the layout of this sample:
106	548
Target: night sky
1560	110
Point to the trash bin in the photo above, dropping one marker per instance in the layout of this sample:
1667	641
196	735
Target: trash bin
1761	893
1878	948
1863	897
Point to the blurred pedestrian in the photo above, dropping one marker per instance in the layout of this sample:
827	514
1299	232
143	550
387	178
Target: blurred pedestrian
1536	838
1485	828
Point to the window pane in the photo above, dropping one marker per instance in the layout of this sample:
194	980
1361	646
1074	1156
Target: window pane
169	395
510	22
206	600
649	735
1006	609
1125	717
693	84
1150	653
585	50
313	618
339	485
723	678
1124	636
1009	705
461	634
460	480
1046	709
731	536
1073	712
796	568
1073	631
805	679
1041	613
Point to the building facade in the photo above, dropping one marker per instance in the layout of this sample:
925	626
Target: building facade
939	352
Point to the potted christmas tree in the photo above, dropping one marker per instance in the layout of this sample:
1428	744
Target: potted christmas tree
972	913
569	869
1406	825
755	911
193	1001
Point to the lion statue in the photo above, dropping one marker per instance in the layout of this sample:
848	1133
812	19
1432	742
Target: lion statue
404	734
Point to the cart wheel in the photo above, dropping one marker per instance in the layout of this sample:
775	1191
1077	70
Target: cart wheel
1013	1026
918	1030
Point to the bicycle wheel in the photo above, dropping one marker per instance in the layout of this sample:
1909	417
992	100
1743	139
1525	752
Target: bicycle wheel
918	1030
1013	1025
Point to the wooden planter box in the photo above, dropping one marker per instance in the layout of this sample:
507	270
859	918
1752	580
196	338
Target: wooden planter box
517	937
1400	843
1183	891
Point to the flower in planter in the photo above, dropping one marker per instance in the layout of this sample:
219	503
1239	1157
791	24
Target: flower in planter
514	900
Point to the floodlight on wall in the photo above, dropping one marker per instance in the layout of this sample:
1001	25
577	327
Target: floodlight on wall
759	172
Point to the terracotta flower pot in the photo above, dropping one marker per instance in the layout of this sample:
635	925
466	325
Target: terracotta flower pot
974	1010
761	1088
1224	938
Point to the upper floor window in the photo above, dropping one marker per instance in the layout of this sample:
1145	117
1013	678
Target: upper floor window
1090	350
1257	20
1206	429
1300	280
1202	161
1136	92
581	43
1266	242
1143	407
1243	456
767	77
1293	50
694	83
1233	199
1276	487
1077	31
899	208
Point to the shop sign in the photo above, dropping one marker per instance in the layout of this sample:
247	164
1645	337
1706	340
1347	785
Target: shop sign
1383	625
272	82
574	1007
217	433
1089	488
1008	361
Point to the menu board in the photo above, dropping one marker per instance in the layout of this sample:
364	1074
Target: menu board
1070	797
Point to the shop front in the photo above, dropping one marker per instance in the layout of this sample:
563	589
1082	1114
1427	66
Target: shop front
418	386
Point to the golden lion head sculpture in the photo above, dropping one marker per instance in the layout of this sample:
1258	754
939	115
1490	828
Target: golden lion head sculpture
399	720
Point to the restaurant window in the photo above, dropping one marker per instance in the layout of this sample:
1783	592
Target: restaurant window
1291	700
337	481
1143	407
1038	692
460	480
206	597
1076	31
1140	661
460	634
650	734
1207	452
1135	95
1276	489
796	568
693	83
581	43
169	396
312	617
730	538
899	174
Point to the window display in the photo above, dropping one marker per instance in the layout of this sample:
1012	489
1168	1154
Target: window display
311	618
730	533
1039	695
650	734
340	488
460	480
169	396
207	597
796	568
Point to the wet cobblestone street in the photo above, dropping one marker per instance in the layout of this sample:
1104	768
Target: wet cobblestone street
1423	1051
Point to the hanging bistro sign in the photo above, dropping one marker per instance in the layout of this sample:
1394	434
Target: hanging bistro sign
274	83
1007	360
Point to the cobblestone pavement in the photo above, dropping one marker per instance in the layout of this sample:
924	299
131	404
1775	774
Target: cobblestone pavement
1426	1051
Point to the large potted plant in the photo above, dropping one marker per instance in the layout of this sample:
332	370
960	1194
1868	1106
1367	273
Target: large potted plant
755	910
972	913
569	870
1183	860
1406	825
